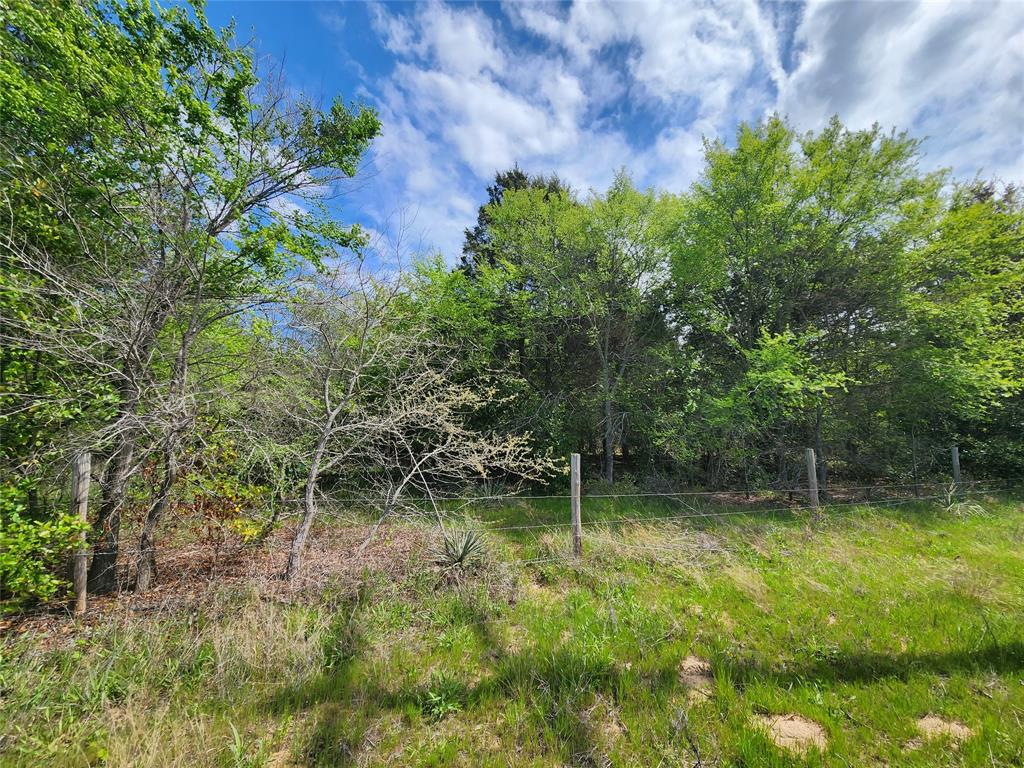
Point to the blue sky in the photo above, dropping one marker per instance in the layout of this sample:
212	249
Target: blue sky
582	89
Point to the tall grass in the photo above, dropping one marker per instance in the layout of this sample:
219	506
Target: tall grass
863	624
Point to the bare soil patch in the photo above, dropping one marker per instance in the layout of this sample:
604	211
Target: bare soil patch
934	727
695	674
793	733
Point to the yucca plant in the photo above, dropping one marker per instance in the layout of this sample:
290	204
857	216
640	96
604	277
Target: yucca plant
459	549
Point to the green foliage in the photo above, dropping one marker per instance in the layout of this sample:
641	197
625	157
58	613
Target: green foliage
32	552
781	383
146	161
160	191
460	549
444	695
246	754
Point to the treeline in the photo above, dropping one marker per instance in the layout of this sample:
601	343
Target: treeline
809	290
178	299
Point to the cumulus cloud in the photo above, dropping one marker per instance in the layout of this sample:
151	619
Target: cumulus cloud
700	51
953	72
586	89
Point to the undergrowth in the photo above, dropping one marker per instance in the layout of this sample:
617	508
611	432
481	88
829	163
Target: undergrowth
861	624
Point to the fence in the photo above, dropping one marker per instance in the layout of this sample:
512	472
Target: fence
876	495
891	494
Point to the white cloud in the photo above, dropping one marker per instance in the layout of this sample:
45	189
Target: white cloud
703	51
584	90
953	72
460	39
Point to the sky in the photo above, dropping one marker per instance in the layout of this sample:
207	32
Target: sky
583	89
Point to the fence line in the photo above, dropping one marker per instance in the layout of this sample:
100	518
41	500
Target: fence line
573	552
695	515
641	494
718	547
956	490
596	522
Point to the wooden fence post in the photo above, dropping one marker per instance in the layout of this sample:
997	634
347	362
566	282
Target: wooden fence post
812	480
956	468
574	490
80	471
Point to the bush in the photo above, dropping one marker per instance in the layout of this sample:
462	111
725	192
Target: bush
459	550
32	551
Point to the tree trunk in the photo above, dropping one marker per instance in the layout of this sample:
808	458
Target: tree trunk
308	507
913	455
609	442
302	532
609	431
103	570
145	566
819	449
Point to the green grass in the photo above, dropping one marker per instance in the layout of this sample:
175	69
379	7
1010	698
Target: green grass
863	623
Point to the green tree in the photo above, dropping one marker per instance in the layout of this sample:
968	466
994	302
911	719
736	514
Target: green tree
803	234
157	186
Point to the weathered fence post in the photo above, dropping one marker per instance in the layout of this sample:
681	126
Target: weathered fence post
956	469
80	471
812	480
574	491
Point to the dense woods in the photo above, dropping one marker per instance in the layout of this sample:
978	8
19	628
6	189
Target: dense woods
178	299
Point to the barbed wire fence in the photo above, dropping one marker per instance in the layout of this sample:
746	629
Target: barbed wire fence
540	538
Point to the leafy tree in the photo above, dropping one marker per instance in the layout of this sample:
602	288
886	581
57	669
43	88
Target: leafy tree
183	189
572	290
800	234
477	249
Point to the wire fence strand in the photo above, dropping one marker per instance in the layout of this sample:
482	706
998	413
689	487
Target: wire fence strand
229	550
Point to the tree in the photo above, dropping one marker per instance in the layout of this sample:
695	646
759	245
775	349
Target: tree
477	248
804	234
183	189
373	404
596	269
960	356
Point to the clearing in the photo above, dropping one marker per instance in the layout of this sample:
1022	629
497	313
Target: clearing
888	636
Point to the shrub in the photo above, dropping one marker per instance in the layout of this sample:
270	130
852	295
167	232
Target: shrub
31	551
459	550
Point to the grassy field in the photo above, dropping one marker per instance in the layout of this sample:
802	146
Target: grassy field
876	637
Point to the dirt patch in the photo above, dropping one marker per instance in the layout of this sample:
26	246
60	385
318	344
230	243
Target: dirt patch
603	718
933	727
191	574
695	674
793	733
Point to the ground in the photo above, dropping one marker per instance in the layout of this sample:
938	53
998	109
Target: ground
884	636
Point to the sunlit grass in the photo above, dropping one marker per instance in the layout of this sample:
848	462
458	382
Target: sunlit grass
862	623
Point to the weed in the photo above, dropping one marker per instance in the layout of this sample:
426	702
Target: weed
459	550
244	755
444	695
864	624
